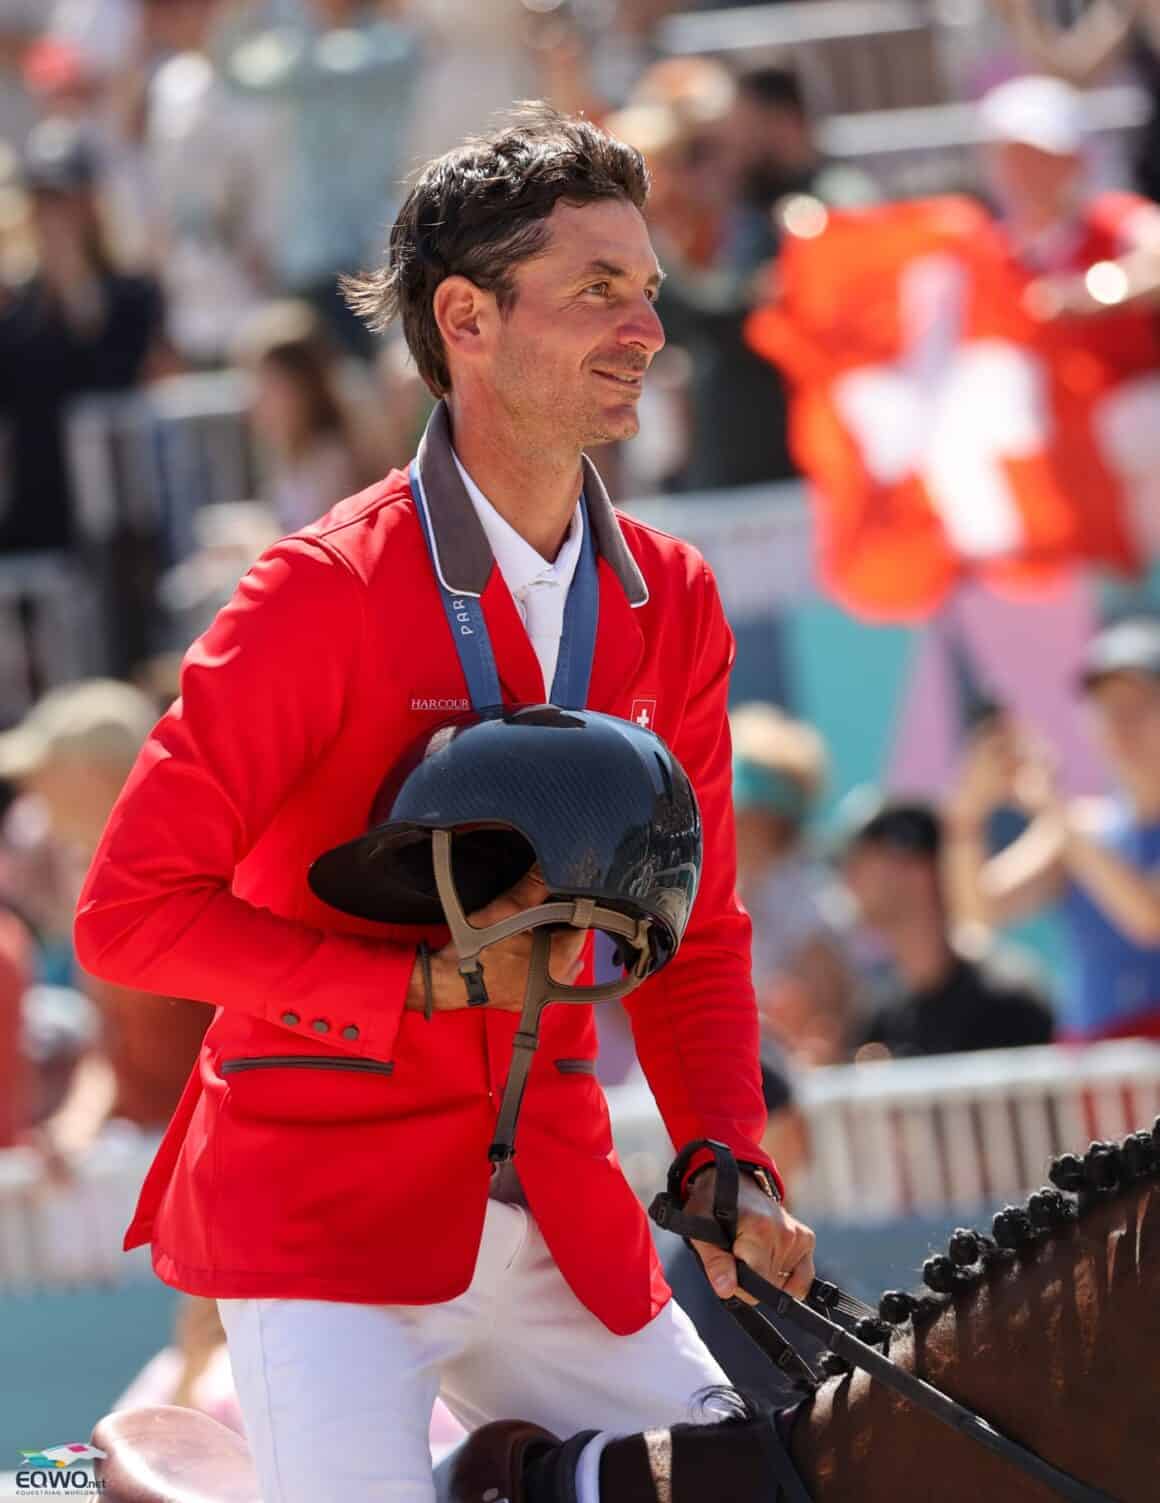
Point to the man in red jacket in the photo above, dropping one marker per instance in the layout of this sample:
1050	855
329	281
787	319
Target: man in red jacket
325	1176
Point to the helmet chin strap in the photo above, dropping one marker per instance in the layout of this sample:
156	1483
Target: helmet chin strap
541	988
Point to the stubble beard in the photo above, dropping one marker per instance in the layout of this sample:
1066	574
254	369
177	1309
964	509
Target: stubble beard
560	420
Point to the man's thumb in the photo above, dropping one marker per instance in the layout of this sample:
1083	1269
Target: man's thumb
718	1266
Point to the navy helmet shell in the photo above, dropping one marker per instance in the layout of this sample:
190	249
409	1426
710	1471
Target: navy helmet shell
599	804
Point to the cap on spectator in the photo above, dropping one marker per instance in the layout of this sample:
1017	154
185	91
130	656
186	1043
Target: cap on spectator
1130	646
779	764
58	1023
867	817
1036	110
96	720
59	158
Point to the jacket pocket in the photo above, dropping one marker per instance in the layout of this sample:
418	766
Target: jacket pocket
310	1089
576	1066
307	1062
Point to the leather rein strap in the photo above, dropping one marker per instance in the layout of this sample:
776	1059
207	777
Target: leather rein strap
667	1211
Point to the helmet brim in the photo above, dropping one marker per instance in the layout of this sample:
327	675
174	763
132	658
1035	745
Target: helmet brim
388	876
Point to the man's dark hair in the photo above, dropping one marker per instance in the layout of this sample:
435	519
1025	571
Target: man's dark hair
480	210
774	87
903	825
868	817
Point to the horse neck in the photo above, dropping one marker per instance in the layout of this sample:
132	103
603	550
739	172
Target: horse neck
1060	1350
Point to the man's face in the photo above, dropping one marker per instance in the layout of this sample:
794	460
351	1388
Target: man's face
568	359
878	878
1041	183
761	835
1127	708
764	137
79	795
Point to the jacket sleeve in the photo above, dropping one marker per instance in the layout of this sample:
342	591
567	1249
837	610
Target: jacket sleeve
262	697
695	1024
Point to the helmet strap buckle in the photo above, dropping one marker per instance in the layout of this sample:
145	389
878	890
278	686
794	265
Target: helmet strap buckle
472	973
541	987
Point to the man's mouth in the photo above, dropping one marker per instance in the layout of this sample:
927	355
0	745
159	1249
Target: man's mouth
629	380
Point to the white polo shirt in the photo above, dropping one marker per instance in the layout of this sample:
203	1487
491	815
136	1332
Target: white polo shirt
539	588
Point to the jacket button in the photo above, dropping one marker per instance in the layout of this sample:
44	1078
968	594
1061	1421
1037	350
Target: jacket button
291	1019
350	1032
320	1025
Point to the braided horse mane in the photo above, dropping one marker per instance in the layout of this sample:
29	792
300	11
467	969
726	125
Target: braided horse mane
1049	1326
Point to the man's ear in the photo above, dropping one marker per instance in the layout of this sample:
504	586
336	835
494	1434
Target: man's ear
462	313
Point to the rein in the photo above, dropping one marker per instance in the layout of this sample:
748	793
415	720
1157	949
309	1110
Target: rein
826	1314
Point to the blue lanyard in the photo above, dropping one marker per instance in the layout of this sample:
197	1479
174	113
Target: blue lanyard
473	642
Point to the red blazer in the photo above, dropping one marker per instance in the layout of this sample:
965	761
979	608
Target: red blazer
329	1144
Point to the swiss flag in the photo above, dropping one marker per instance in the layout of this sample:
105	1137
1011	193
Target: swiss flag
942	429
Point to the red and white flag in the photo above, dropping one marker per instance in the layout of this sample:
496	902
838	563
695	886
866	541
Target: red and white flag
942	429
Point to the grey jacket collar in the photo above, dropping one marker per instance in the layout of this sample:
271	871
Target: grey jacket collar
463	557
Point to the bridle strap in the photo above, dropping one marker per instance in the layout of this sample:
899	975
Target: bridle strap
791	1488
541	987
920	1393
721	1231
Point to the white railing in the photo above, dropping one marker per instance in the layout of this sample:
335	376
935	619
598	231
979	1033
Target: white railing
953	1132
68	1235
148	459
890	1139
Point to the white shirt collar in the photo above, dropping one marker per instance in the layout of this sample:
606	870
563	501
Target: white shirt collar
518	561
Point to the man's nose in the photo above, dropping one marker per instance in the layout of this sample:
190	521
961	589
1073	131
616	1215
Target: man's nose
643	327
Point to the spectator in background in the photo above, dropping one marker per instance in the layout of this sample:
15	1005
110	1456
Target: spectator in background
592	56
800	974
1061	254
72	753
944	1000
213	161
475	60
1099	860
1100	35
688	117
305	422
1034	137
778	156
77	325
344	77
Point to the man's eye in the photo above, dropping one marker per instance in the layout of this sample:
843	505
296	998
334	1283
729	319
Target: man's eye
601	287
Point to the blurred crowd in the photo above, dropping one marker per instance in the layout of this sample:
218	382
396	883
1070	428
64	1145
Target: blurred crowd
183	184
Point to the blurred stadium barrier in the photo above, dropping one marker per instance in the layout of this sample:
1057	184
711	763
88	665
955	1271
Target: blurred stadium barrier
954	1133
142	465
850	54
49	613
151	458
68	1235
890	1139
882	78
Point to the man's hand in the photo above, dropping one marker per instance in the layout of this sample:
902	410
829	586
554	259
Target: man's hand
771	1241
505	965
1036	786
987	773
